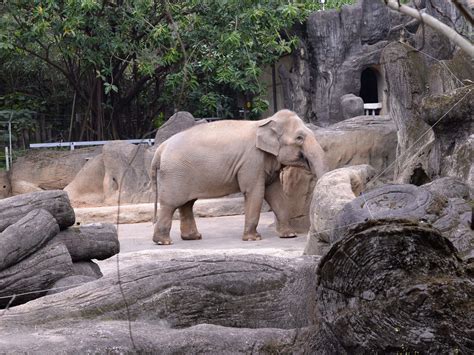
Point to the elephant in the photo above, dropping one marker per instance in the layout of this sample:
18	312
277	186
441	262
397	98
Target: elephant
230	156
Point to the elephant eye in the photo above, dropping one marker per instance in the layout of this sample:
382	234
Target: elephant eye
299	139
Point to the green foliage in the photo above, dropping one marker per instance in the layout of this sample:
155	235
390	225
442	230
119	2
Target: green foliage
159	120
22	119
195	55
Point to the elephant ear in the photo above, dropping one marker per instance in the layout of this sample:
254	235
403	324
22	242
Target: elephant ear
267	137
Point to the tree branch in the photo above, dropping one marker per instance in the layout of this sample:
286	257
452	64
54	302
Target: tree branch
437	25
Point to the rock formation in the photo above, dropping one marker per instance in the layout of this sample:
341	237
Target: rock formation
48	169
121	172
336	48
331	193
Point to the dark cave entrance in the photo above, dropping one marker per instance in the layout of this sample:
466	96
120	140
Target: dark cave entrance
369	86
371	91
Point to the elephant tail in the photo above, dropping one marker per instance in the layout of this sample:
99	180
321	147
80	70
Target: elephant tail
155	166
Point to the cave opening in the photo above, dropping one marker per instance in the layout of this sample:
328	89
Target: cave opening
419	177
368	86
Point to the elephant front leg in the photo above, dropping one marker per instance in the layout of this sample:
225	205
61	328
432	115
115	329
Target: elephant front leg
189	230
276	198
161	235
253	206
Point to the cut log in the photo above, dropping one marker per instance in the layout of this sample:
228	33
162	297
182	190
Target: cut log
26	236
33	274
250	291
395	286
410	202
56	202
94	241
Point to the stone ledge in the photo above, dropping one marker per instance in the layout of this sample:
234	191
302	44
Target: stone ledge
143	212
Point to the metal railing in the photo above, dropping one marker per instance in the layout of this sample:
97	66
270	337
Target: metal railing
72	145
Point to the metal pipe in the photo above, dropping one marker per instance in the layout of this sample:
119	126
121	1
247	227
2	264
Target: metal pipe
7	159
10	137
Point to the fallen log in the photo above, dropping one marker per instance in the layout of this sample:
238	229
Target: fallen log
68	282
26	280
395	286
94	241
250	291
56	202
26	236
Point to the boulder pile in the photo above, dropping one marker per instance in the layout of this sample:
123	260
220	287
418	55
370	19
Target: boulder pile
40	252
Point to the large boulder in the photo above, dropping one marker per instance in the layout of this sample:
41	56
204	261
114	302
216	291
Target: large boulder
351	106
119	173
449	187
87	188
331	193
48	169
180	121
360	140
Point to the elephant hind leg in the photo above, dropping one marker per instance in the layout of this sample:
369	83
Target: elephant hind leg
161	235
189	230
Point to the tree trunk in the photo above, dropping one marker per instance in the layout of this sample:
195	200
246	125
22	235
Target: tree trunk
26	236
94	241
394	286
56	202
37	272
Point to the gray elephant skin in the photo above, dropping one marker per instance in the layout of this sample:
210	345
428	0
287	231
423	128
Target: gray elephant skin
225	157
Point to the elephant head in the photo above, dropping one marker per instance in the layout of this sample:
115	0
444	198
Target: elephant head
285	136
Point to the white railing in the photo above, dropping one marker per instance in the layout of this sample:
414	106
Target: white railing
369	109
72	145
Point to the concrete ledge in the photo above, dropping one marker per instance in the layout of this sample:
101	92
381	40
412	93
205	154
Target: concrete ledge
143	212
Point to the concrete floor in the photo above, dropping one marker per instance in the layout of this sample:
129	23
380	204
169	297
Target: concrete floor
220	235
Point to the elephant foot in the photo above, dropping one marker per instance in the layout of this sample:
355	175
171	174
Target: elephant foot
192	236
162	240
252	236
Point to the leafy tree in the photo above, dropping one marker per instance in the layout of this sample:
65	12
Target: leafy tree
128	62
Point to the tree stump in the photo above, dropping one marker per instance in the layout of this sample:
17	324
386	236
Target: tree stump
37	272
26	236
450	216
93	241
395	286
56	202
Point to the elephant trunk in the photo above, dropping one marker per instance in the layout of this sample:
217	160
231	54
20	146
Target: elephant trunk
315	155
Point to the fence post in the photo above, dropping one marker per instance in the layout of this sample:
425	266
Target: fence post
7	159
